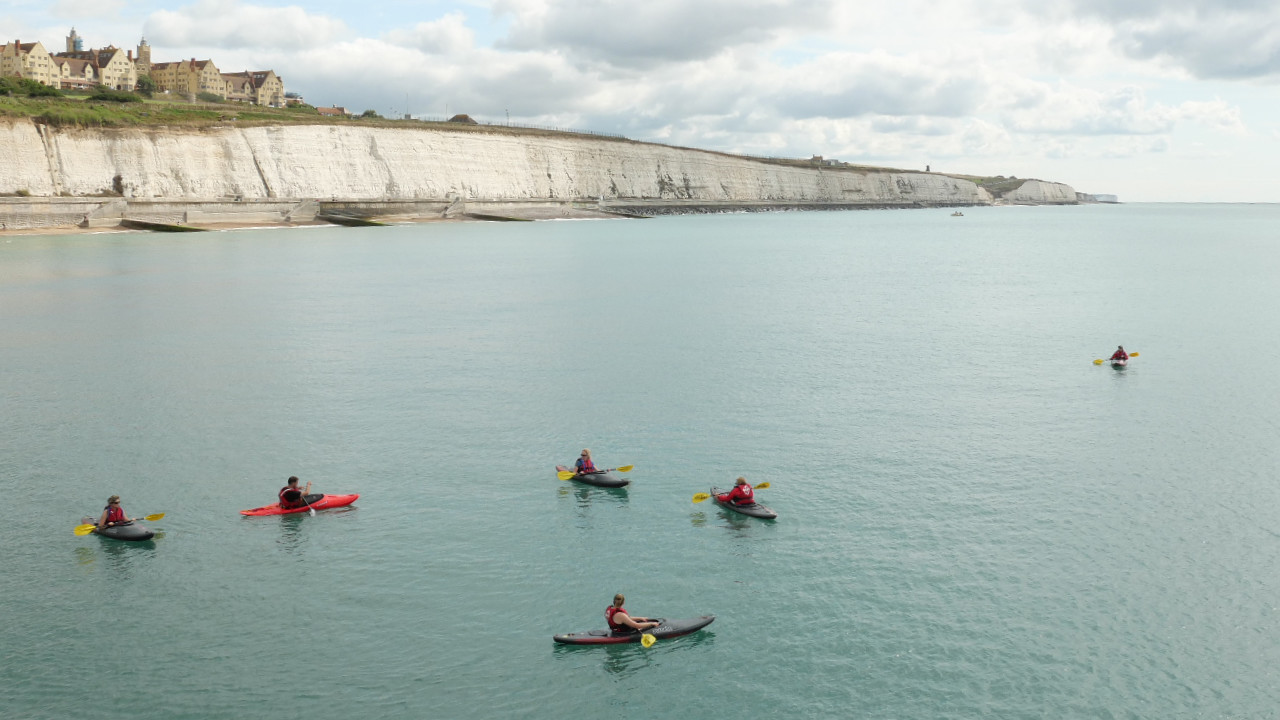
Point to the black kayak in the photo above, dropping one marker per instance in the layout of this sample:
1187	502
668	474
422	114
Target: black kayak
668	629
599	478
755	510
125	531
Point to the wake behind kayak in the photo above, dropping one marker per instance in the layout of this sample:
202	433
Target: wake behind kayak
315	501
668	629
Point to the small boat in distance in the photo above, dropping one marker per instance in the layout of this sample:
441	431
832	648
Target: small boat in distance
957	214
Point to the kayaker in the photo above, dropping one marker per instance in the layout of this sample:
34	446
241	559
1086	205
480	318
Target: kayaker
741	494
291	496
1120	354
621	622
583	464
113	514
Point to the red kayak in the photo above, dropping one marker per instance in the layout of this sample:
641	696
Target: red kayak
316	501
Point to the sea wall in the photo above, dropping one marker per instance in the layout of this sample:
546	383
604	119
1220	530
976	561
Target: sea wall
372	163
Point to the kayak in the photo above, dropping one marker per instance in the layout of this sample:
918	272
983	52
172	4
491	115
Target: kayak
1119	363
131	531
755	510
668	629
599	478
316	501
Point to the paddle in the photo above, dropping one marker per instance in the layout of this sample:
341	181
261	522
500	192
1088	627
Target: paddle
647	640
88	528
701	497
1099	361
304	499
569	474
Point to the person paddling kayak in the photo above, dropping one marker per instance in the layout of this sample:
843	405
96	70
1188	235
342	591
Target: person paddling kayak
1119	355
113	514
583	464
291	496
620	622
741	494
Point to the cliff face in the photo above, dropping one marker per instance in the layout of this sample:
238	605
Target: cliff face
370	163
1039	192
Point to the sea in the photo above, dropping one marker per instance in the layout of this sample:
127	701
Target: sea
975	518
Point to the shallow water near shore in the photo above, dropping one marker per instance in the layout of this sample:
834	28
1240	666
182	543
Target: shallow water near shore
975	520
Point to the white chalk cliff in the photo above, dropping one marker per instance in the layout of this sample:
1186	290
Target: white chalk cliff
379	163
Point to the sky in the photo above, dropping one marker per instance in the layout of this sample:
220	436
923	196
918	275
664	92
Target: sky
1151	100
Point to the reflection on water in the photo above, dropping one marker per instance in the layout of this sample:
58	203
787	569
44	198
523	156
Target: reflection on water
291	537
624	660
737	522
120	556
584	494
698	519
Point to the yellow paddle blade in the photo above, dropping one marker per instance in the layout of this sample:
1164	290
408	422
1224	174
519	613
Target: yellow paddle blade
701	496
153	518
647	640
1133	354
762	486
626	468
84	529
1098	361
564	474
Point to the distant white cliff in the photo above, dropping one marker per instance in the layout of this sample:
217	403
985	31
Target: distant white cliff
373	163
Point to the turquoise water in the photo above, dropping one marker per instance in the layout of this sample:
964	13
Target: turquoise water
975	520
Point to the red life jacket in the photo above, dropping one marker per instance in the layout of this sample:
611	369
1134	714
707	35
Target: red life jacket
609	612
286	502
742	495
585	465
1120	355
115	513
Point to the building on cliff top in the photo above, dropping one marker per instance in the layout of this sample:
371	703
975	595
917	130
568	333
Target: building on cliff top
80	69
28	60
114	67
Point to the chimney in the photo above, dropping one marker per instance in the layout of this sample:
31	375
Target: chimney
129	54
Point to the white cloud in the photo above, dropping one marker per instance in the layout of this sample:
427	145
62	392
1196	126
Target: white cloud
231	24
448	35
644	34
1121	111
1232	39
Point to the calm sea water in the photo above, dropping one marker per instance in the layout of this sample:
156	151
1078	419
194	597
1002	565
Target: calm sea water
976	521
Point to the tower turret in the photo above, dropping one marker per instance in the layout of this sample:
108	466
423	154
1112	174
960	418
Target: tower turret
144	58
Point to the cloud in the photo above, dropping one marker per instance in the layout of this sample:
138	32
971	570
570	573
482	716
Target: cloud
448	35
1070	110
80	9
644	34
231	24
1229	39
